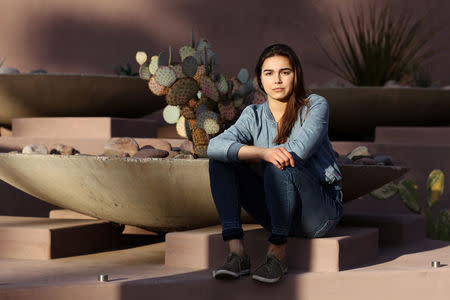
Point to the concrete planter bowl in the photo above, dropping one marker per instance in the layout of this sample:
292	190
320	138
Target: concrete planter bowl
355	112
159	194
70	95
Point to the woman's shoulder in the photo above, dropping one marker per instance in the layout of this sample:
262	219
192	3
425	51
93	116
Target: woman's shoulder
314	98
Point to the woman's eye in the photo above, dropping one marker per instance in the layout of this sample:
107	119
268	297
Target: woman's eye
286	72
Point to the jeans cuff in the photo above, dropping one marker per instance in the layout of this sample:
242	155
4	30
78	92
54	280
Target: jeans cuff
233	234
278	239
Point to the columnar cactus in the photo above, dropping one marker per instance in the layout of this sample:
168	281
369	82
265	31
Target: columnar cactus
201	103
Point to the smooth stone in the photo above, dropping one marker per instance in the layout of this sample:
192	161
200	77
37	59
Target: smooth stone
172	154
63	149
359	152
151	153
184	156
7	70
159	144
187	147
35	149
365	161
121	146
344	160
383	160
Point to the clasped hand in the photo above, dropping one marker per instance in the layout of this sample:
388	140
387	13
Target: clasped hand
280	157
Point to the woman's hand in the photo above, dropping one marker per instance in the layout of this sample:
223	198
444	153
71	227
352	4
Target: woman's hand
280	157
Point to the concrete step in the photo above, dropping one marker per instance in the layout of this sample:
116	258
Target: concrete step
344	248
413	135
44	238
394	229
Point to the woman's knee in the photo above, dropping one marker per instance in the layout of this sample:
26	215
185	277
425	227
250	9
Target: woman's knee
318	229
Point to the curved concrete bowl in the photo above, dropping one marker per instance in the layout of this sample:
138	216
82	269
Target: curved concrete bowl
159	194
355	112
68	95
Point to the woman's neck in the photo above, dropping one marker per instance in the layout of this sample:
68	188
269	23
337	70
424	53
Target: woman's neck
277	108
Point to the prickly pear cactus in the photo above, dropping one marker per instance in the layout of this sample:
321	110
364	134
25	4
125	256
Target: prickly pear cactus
435	187
200	103
443	225
409	194
385	192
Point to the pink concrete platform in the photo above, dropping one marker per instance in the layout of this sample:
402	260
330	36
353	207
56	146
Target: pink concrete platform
394	229
344	247
43	238
138	273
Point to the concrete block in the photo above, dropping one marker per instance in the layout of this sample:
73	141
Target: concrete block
344	248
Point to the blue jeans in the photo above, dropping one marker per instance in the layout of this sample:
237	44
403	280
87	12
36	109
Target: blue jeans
288	202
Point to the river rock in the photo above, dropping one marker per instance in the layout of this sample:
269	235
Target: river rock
172	154
359	152
159	144
385	160
151	153
35	149
120	147
7	70
187	147
365	161
63	149
344	160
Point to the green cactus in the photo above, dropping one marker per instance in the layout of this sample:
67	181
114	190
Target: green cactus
409	193
186	51
408	190
163	59
165	76
243	75
189	66
144	72
435	187
171	114
385	192
153	64
443	225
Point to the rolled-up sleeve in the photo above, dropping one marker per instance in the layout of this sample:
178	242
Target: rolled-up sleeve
226	145
310	136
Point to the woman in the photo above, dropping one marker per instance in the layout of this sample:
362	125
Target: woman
297	191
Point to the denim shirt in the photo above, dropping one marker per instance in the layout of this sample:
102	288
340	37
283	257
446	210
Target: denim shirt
308	142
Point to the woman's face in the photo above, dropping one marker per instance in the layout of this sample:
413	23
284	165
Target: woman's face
277	78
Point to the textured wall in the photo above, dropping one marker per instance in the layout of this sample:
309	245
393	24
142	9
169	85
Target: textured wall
86	36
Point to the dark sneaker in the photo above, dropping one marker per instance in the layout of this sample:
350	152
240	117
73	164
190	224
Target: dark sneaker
234	267
271	270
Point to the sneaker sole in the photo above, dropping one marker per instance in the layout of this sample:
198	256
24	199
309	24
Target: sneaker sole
225	274
268	280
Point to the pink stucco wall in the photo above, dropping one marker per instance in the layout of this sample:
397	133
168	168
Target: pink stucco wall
89	36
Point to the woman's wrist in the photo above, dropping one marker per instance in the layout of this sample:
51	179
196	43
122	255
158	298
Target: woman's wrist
251	153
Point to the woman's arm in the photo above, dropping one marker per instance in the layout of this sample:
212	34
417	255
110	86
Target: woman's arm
280	157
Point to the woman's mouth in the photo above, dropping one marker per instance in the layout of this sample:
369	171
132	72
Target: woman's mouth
278	89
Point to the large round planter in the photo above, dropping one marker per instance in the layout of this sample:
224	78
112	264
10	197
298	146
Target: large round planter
159	194
355	112
69	95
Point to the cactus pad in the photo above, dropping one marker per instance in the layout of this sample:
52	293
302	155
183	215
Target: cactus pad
188	112
211	126
222	84
385	192
144	72
153	64
227	111
141	57
163	59
178	71
200	137
258	98
200	72
443	225
156	88
243	75
208	88
201	150
186	51
189	66
203	43
181	127
171	114
435	187
165	76
182	91
409	194
192	124
202	117
236	85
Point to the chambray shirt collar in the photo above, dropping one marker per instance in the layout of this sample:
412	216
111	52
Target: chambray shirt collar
269	115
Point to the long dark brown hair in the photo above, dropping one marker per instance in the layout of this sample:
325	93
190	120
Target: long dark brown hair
296	103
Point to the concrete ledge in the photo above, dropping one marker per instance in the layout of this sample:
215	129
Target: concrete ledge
344	248
43	238
413	135
394	229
